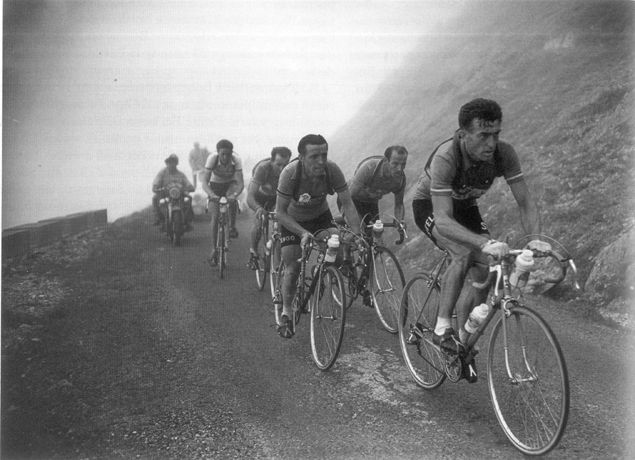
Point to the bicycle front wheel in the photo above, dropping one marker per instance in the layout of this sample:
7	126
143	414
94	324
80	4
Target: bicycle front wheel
261	269
528	381
417	318
222	255
386	286
328	317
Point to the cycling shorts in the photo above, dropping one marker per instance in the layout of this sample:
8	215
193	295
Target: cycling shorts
322	222
469	217
265	201
220	189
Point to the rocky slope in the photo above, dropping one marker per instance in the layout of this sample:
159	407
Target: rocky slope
562	71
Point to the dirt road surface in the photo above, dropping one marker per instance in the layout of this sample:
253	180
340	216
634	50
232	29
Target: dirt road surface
118	346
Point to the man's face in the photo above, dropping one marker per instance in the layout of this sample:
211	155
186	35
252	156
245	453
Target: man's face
481	139
279	162
225	155
397	164
171	166
315	159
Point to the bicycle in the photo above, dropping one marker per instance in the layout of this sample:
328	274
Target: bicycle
263	252
222	235
323	296
381	279
526	371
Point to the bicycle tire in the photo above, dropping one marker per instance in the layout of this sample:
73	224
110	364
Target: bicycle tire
417	318
328	317
262	269
386	286
533	407
275	270
221	250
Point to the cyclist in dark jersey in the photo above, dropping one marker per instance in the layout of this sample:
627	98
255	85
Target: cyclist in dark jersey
302	209
261	193
459	174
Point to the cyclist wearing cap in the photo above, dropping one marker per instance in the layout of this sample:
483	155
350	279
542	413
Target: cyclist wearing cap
458	175
376	177
170	174
261	193
302	210
223	177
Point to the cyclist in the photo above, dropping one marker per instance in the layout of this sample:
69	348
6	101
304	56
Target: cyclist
223	177
458	175
302	209
376	177
261	193
170	174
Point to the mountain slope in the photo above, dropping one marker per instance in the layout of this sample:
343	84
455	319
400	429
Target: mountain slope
562	72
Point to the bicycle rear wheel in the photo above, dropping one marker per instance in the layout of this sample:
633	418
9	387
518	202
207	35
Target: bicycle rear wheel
417	319
261	270
531	404
386	286
328	317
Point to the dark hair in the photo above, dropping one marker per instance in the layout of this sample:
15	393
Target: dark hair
313	139
485	109
224	144
282	151
395	148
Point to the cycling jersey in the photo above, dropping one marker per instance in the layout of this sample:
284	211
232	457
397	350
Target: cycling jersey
374	181
453	173
223	173
309	201
266	178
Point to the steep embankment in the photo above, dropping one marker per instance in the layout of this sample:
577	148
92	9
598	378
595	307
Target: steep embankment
562	73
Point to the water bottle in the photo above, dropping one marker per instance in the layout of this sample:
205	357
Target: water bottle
268	248
331	251
477	316
524	263
378	229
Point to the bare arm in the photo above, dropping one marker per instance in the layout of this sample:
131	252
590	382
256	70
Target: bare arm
206	177
529	217
352	218
240	183
251	196
400	210
449	228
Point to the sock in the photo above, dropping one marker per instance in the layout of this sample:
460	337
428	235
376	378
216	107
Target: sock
442	325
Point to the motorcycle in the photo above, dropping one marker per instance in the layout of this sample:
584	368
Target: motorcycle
174	206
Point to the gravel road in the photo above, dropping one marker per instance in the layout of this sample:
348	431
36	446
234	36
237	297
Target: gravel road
117	345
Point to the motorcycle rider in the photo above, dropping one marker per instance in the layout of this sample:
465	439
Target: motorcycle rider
170	174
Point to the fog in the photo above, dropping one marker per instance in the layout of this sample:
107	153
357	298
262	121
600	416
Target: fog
97	94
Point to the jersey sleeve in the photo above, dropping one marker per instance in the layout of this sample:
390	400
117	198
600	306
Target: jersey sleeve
285	183
260	174
511	163
238	162
442	173
364	175
338	181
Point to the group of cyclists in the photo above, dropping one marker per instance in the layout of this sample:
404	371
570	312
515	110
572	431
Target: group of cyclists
444	204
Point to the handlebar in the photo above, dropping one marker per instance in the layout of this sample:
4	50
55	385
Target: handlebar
401	229
495	270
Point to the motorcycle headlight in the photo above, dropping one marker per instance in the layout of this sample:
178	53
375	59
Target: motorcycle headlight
162	201
186	199
174	192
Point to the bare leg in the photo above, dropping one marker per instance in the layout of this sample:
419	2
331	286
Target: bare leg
255	235
214	209
290	256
